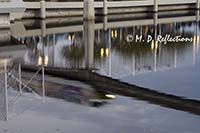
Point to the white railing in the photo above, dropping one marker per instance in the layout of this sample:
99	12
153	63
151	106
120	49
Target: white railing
110	4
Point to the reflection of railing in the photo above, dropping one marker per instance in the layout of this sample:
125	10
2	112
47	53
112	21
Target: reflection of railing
110	4
19	30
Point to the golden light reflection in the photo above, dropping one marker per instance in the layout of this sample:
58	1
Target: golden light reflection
46	60
104	52
71	37
101	52
196	39
110	96
114	33
107	52
40	60
154	45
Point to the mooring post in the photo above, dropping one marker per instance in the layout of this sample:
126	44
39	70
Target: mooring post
105	7
89	9
42	9
155	6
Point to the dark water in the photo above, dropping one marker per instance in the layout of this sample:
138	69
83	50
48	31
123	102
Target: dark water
108	48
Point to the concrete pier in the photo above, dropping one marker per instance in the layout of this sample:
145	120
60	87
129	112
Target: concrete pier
15	8
42	9
105	7
89	13
89	43
155	7
4	20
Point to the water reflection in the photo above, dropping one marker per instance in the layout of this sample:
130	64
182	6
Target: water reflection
102	45
110	53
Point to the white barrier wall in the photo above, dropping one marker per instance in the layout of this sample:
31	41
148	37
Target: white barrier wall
15	8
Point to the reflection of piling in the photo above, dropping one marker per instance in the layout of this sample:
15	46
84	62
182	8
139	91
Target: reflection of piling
105	8
155	46
197	4
105	23
89	43
43	28
42	9
155	7
89	12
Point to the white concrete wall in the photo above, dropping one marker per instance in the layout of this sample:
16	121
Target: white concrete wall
15	8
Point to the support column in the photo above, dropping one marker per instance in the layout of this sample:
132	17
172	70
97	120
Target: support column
43	28
42	9
89	43
105	23
197	4
105	7
155	8
89	12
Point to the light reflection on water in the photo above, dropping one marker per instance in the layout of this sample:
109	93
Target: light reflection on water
112	56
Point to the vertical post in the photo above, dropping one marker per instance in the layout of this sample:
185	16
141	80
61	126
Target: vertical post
20	78
105	23
43	28
197	4
43	83
134	72
175	58
155	43
105	7
120	34
89	43
89	9
42	9
43	78
6	88
155	8
110	58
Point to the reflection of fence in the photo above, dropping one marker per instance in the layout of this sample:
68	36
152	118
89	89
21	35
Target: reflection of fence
11	78
3	90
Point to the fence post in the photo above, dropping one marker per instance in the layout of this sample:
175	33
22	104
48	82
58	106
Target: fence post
105	7
155	6
42	9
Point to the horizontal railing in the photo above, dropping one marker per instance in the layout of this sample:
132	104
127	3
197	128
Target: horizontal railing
110	4
19	30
